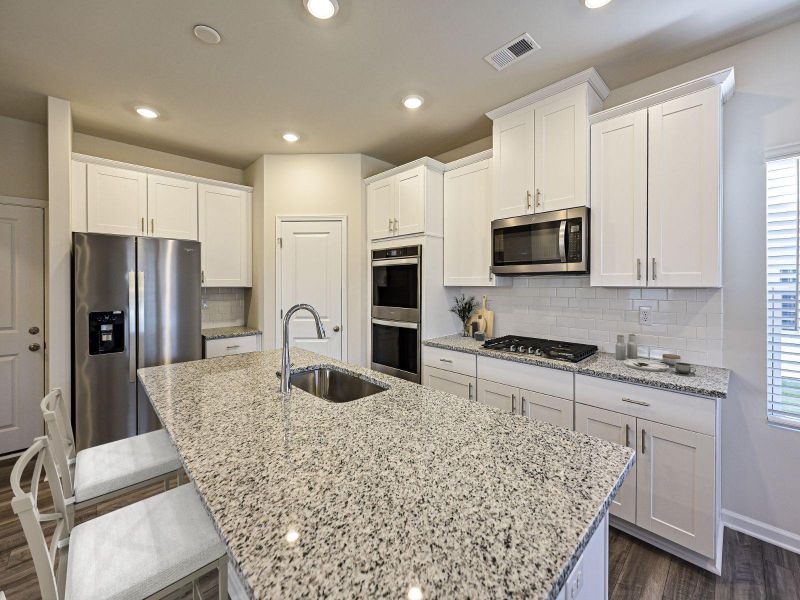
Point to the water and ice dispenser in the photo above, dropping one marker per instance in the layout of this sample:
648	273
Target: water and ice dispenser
106	332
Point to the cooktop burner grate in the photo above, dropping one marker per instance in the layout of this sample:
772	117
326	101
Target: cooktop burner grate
566	351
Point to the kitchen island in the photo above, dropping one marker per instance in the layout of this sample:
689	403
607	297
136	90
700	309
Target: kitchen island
410	492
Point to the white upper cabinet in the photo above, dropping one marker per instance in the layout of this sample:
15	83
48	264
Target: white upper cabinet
656	192
406	200
541	147
619	201
684	234
116	200
467	236
171	208
512	144
380	203
225	234
561	137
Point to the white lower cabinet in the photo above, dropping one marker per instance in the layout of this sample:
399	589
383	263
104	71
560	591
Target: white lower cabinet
620	429
672	491
588	579
550	409
229	346
504	397
452	383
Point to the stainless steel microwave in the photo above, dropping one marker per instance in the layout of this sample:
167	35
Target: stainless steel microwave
547	243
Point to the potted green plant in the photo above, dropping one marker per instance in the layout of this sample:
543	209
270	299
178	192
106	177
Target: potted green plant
463	309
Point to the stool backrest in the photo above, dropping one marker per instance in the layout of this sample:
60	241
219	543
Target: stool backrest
59	431
25	506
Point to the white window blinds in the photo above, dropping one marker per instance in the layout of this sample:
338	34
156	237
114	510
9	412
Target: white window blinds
783	334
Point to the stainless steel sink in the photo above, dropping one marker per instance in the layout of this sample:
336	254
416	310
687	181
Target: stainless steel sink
333	385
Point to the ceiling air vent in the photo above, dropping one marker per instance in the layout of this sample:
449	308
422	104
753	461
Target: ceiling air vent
512	52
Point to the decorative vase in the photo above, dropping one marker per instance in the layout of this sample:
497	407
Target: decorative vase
466	332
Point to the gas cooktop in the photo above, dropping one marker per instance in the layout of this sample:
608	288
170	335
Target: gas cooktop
566	351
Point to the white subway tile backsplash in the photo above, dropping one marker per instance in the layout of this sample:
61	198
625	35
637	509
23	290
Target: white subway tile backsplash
222	307
683	321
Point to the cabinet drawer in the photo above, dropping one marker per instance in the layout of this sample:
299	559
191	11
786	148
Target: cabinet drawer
452	383
679	410
449	360
238	345
530	377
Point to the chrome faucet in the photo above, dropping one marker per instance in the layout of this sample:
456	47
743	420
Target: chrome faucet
285	363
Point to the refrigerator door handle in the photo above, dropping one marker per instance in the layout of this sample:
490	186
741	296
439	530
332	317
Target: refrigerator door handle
140	320
132	324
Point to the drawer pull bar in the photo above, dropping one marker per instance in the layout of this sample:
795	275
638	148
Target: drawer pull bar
447	360
469	397
513	404
627	434
639	402
644	435
231	347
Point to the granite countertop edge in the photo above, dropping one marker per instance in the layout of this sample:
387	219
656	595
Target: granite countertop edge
234	331
601	365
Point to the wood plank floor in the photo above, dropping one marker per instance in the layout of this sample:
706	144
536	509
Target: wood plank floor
752	569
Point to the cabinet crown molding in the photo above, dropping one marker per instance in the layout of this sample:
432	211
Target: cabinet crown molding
425	161
97	160
590	76
468	160
724	79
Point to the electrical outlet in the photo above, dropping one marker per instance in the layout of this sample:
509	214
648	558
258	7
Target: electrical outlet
645	316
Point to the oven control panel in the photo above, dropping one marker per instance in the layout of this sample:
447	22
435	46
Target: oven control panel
389	253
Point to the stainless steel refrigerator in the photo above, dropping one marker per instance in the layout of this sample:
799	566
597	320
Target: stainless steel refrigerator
136	303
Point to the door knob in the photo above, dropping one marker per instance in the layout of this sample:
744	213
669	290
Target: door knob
33	330
336	328
34	347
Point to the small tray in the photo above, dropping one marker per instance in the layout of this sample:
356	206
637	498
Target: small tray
643	364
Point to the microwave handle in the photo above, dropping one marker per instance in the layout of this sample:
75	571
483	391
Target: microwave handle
562	241
400	324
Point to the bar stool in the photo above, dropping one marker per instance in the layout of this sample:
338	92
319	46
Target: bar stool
149	549
102	472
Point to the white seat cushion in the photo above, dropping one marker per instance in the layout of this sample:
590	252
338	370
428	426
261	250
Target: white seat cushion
115	466
142	548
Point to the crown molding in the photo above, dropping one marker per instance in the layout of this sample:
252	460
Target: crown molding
425	161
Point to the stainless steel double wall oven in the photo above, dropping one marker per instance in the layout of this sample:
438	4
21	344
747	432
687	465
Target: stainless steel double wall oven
396	310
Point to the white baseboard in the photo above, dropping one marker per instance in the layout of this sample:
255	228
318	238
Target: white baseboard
762	531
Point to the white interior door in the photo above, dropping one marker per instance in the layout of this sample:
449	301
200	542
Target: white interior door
172	207
619	429
311	272
684	190
619	201
21	325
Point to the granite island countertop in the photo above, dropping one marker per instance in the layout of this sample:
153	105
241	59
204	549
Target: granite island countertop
221	333
707	381
408	487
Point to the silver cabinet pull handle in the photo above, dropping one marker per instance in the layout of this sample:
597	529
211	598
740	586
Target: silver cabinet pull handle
639	402
513	404
538	198
644	435
469	393
390	225
447	360
142	224
529	199
638	269
396	225
522	409
654	269
627	434
232	347
152	225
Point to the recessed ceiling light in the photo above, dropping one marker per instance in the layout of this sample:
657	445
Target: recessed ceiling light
147	112
595	3
291	137
413	102
207	34
322	9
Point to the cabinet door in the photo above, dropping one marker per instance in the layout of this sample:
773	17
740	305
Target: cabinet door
498	395
620	429
556	411
561	153
619	201
171	208
684	235
225	234
675	491
380	206
467	236
410	207
513	164
116	200
452	383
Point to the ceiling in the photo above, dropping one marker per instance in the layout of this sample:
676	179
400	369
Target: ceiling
337	83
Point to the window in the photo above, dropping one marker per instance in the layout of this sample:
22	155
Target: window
783	260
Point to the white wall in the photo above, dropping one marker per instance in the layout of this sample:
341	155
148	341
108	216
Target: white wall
761	463
23	159
301	185
137	155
